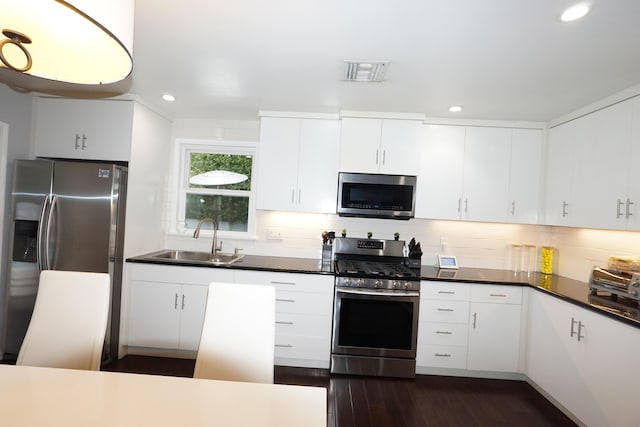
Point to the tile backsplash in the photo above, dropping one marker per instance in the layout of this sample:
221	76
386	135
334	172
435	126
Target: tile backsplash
479	245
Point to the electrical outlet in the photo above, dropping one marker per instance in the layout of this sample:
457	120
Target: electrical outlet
274	234
443	245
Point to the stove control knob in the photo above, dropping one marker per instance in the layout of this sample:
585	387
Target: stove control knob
396	284
347	281
377	284
635	284
360	282
407	285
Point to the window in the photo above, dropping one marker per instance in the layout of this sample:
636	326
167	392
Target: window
216	182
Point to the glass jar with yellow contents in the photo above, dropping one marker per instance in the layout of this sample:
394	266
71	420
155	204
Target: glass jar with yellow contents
546	260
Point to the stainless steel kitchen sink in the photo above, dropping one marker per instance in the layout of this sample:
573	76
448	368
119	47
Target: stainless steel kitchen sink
191	256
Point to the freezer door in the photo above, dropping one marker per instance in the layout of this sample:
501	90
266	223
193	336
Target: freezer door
29	206
81	228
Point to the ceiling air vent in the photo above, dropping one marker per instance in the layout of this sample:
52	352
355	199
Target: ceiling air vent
372	71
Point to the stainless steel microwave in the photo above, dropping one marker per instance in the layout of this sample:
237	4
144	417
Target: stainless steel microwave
376	195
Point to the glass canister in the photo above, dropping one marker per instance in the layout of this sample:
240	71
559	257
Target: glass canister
516	258
546	261
529	259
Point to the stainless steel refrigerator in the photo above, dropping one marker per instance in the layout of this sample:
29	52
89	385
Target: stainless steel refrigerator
66	215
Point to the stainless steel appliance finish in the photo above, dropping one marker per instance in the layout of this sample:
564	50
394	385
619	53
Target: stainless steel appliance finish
375	323
376	195
65	216
617	282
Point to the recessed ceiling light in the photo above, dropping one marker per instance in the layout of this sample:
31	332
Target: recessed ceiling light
168	97
455	108
575	12
369	71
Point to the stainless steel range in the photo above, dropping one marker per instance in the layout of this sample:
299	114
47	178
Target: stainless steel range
375	317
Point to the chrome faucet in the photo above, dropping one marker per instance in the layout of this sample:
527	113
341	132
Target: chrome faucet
214	246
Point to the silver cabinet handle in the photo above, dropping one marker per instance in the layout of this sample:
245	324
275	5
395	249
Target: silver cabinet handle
513	207
466	205
384	157
447	292
580	326
498	295
183	301
273	282
444	332
285	300
618	213
445	309
293	195
175	302
565	205
459	203
84	140
278	322
628	208
377	151
299	195
573	322
77	141
442	355
284	345
475	319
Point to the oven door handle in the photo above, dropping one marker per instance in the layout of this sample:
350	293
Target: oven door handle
378	294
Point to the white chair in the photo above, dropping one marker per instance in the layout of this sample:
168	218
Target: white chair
238	335
69	321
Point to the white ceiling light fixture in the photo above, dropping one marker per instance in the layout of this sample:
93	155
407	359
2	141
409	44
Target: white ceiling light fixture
365	71
575	12
168	97
75	42
455	108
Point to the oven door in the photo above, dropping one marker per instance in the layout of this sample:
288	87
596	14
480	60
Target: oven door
378	323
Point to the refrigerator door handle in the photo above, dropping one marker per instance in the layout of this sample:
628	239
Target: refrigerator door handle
47	239
41	242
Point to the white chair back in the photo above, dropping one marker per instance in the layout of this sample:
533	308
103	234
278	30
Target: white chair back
69	321
238	335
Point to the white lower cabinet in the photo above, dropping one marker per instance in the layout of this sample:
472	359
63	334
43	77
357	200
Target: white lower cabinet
166	305
469	326
584	361
304	308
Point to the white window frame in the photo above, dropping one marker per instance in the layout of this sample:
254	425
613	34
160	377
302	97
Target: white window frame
184	147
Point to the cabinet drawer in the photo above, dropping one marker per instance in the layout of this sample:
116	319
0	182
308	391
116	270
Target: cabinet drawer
304	303
316	283
299	347
444	290
441	356
303	324
432	333
444	311
497	294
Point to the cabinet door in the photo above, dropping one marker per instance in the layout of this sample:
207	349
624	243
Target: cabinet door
193	302
360	145
154	314
399	147
524	180
83	129
555	360
439	186
604	145
558	206
278	163
633	206
318	165
494	337
487	155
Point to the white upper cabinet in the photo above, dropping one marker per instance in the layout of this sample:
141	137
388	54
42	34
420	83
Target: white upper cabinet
298	164
524	180
387	146
83	129
479	174
439	186
590	177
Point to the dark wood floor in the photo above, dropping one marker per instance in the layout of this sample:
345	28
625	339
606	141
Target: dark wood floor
426	400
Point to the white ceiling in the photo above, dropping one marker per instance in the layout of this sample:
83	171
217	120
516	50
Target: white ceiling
501	59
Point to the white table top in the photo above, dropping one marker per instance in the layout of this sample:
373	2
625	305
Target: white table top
62	397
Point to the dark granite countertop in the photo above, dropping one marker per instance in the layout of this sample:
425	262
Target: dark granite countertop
572	291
